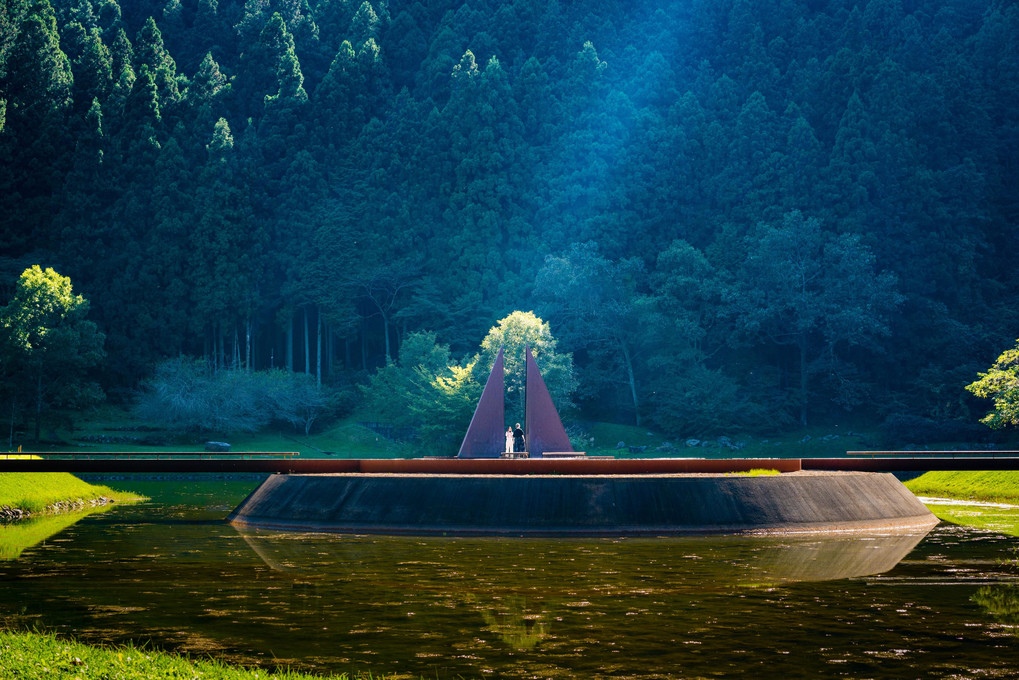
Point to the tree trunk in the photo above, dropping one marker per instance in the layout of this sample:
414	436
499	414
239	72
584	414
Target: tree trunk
318	350
290	342
307	343
385	331
38	405
247	343
633	383
803	382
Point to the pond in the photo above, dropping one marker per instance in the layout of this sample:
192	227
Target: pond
172	573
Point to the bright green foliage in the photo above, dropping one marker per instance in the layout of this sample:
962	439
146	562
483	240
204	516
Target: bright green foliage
515	332
1000	383
49	345
425	392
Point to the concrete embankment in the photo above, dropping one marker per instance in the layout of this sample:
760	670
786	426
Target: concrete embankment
584	505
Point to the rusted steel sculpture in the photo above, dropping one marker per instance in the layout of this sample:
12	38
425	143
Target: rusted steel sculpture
544	431
485	435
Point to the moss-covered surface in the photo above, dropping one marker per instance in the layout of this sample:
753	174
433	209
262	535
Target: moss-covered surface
34	656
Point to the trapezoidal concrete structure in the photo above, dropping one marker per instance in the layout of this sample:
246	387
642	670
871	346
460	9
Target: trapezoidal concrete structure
584	505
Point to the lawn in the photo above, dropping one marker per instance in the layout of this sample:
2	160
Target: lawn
989	487
35	656
34	492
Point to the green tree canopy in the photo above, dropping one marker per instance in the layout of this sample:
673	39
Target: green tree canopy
513	333
1000	383
48	344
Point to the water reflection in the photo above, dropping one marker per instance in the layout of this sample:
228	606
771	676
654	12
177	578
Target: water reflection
879	606
505	564
516	586
17	536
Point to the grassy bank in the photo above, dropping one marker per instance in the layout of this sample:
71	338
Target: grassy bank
34	656
34	492
996	487
989	487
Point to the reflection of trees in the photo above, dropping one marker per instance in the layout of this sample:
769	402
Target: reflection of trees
519	624
1001	602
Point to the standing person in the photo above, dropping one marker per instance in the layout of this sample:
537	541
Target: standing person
509	440
518	439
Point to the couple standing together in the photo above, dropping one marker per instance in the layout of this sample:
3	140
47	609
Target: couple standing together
514	439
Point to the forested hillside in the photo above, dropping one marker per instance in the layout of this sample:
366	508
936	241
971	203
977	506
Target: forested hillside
731	212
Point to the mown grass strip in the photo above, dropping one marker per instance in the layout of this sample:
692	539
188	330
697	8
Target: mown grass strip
39	656
998	487
36	491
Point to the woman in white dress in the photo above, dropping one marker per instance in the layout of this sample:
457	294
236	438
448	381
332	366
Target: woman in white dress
509	440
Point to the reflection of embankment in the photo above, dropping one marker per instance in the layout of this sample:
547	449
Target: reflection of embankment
485	565
519	586
15	538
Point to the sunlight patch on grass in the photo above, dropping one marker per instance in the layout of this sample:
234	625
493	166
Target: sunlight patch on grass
36	656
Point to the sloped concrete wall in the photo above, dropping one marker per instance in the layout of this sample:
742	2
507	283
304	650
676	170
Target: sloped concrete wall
583	505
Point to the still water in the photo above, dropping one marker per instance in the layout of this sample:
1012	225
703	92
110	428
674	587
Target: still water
171	572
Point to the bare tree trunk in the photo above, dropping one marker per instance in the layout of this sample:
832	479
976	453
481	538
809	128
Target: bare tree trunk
236	354
364	350
307	344
803	382
330	341
385	330
633	383
38	405
290	342
247	343
318	349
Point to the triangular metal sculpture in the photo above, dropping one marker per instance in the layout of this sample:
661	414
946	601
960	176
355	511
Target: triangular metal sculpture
485	436
545	430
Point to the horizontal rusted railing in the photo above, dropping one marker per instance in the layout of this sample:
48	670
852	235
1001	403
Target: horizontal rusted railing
986	453
156	455
234	463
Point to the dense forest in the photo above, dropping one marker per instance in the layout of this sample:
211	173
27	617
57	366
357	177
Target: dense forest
731	213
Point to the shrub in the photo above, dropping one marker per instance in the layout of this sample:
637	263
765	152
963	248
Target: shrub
188	395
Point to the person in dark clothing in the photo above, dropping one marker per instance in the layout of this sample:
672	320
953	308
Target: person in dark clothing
518	439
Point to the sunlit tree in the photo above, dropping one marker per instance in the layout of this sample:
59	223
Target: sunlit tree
513	333
1000	383
48	344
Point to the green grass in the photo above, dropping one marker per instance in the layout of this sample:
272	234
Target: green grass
342	439
35	656
36	491
993	487
758	472
1000	487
